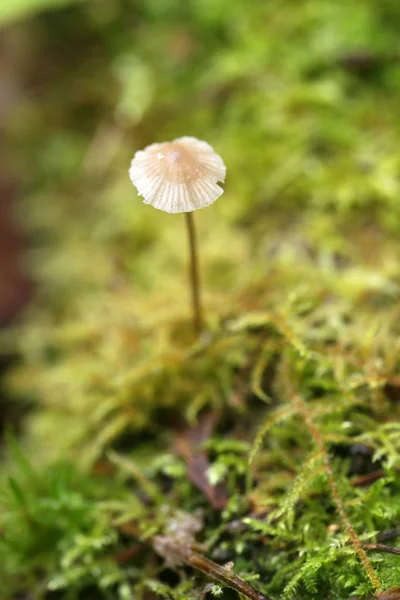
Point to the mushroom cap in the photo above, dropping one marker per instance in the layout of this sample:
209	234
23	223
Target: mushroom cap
178	176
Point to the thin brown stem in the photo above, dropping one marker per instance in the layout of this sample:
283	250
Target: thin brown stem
224	575
367	479
391	594
320	443
194	273
179	552
382	548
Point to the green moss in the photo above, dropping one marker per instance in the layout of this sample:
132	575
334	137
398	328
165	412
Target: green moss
289	401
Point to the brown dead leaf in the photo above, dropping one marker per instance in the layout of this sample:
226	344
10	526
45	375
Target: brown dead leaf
188	445
390	594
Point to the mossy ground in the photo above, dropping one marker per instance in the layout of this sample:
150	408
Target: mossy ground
278	430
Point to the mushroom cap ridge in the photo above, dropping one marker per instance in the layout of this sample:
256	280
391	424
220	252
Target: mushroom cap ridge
178	176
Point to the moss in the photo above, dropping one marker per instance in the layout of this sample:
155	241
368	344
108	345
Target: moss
276	431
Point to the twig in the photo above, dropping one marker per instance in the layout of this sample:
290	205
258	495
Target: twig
224	575
178	553
367	479
128	553
381	548
391	594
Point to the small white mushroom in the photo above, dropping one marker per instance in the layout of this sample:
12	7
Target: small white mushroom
178	176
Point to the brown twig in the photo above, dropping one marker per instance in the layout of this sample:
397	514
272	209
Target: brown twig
367	479
391	594
225	576
175	552
381	548
129	553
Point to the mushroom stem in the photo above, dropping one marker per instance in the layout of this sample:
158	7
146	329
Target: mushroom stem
194	273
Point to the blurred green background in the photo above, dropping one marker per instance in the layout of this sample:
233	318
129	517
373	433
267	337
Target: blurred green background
300	99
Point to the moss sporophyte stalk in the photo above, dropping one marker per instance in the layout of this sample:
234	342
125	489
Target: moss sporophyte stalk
180	177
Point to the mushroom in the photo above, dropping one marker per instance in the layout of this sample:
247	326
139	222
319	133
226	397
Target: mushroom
179	177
